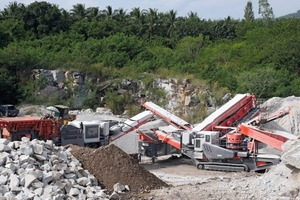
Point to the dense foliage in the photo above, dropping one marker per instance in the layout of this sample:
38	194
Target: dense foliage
292	15
259	56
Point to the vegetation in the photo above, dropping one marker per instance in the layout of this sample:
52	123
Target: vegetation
292	15
260	56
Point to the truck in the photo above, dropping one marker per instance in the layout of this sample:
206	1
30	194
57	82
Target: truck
8	110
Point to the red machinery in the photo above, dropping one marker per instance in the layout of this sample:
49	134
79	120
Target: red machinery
225	140
14	128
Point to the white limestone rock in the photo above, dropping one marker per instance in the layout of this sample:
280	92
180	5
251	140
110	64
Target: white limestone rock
4	148
29	178
118	187
14	181
74	192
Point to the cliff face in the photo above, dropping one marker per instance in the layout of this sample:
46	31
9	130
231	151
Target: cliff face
180	97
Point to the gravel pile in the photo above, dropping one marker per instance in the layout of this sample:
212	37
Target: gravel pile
282	181
289	123
111	165
39	170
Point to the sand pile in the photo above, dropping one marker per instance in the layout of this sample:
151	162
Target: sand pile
110	165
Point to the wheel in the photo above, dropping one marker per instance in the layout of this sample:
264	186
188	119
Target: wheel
200	166
153	160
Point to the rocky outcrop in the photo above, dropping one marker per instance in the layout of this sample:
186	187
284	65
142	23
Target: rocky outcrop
180	97
183	98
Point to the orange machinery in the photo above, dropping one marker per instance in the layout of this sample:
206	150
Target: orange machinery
14	128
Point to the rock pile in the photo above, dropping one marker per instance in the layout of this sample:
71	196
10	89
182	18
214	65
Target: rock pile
282	181
289	123
111	165
39	170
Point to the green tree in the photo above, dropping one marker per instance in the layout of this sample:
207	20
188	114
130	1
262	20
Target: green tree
115	102
93	13
191	26
14	28
152	23
262	82
224	29
265	9
43	18
8	87
189	47
136	22
170	22
119	49
14	10
109	12
4	37
79	12
249	14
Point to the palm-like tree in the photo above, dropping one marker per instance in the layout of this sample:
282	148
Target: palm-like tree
93	13
193	15
137	20
136	14
120	14
151	22
66	19
108	12
14	10
78	11
170	22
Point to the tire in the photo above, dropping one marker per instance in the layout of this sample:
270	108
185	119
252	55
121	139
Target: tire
200	166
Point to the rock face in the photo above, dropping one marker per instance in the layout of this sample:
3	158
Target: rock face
57	81
181	97
38	169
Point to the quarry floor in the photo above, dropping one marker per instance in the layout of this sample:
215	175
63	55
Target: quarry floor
187	182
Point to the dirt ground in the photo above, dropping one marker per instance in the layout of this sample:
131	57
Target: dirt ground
171	177
187	182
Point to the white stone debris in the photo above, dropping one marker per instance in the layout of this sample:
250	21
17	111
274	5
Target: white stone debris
40	170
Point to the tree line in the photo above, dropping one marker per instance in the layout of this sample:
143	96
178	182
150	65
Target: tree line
259	56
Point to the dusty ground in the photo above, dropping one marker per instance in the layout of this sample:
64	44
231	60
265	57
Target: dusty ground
183	180
187	182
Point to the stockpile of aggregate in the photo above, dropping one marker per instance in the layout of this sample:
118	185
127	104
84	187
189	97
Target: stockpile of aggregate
282	181
289	123
39	170
111	165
